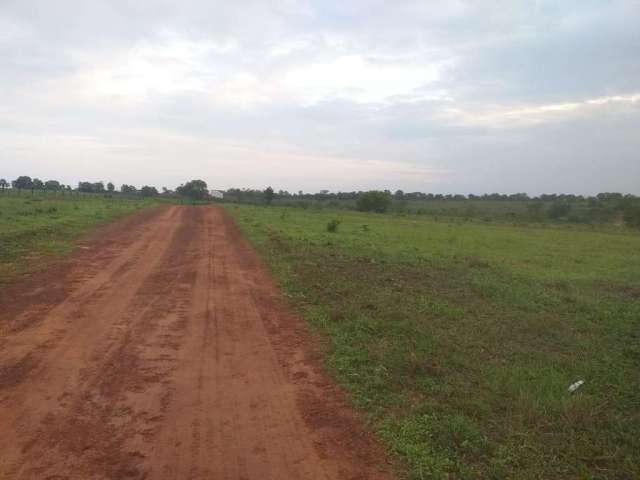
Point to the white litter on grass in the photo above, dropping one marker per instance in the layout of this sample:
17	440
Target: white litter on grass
575	386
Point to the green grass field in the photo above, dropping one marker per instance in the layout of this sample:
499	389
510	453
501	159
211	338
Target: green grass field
36	228
604	211
459	340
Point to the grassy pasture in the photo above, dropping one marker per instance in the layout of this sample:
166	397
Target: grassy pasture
33	228
459	340
611	211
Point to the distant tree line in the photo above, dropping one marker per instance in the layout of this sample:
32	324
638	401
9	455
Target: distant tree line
27	183
33	185
194	189
248	194
604	207
256	196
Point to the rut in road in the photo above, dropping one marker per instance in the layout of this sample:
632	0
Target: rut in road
161	350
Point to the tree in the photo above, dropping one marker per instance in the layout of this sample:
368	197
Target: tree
37	184
89	187
23	183
268	195
111	187
128	189
609	196
148	191
52	185
194	189
85	187
374	201
3	184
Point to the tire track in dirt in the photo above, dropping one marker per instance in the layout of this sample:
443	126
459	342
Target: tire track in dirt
70	343
170	356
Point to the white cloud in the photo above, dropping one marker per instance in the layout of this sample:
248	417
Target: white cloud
357	78
510	116
166	66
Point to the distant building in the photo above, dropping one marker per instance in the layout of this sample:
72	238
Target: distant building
217	194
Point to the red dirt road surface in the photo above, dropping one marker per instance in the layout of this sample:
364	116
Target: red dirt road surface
161	350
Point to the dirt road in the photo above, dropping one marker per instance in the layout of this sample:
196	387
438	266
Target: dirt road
161	350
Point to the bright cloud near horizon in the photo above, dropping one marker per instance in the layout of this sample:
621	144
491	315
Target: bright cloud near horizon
438	96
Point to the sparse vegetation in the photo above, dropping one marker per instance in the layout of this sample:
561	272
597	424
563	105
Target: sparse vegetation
460	339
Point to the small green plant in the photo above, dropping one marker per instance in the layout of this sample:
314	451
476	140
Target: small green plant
332	226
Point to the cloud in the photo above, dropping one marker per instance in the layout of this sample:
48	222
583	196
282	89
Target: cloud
510	116
438	96
358	78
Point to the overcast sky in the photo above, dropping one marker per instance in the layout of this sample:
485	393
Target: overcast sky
445	97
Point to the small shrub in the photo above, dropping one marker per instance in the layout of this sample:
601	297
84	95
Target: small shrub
536	211
558	209
332	226
374	201
632	216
